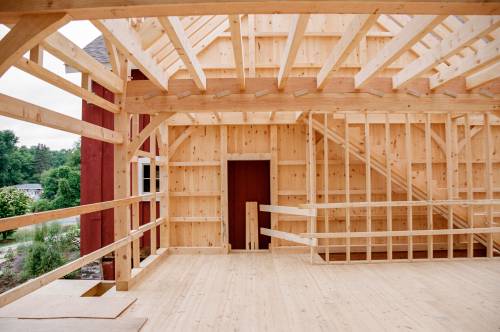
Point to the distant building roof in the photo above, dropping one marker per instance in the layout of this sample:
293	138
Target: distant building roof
29	186
96	49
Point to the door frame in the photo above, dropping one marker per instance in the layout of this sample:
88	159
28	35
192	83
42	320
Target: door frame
266	156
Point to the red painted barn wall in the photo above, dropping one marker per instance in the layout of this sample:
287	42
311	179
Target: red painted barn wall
96	229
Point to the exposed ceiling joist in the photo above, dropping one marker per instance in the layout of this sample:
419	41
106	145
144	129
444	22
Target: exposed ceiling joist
409	35
469	65
468	33
179	39
350	39
26	34
297	30
127	40
236	40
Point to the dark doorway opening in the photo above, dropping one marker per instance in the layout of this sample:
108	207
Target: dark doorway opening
248	181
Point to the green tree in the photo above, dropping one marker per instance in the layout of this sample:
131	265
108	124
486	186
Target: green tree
61	188
41	158
13	202
7	146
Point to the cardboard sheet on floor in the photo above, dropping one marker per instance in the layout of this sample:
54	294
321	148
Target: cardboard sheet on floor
72	324
62	306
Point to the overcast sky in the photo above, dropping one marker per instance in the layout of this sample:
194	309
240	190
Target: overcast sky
19	84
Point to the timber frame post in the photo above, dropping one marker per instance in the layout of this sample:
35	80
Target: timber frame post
122	188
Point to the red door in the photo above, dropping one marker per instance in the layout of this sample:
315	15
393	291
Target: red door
248	181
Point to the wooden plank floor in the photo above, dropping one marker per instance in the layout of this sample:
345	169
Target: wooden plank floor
277	292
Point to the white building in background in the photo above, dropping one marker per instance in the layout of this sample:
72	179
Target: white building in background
33	190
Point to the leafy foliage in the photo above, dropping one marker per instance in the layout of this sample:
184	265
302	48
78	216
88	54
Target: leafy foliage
46	252
13	202
26	165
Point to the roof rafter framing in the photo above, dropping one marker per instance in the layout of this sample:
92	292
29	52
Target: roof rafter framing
179	39
26	34
469	65
297	30
408	36
200	39
127	41
470	32
353	34
236	40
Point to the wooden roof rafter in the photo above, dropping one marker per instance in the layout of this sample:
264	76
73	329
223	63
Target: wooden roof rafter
473	30
236	39
204	37
179	39
356	30
408	36
297	29
127	40
26	34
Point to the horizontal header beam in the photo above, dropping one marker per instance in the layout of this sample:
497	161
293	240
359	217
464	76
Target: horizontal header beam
101	9
301	95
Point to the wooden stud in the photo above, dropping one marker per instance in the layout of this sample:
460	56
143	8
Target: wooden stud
488	178
409	187
224	188
470	183
274	178
326	183
152	186
429	185
449	180
368	185
388	182
347	177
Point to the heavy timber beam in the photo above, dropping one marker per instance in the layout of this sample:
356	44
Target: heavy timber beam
235	26
26	34
179	39
100	9
64	49
471	31
56	80
338	96
350	39
127	40
407	37
297	29
21	110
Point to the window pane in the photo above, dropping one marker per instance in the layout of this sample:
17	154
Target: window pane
146	187
157	185
157	172
146	172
